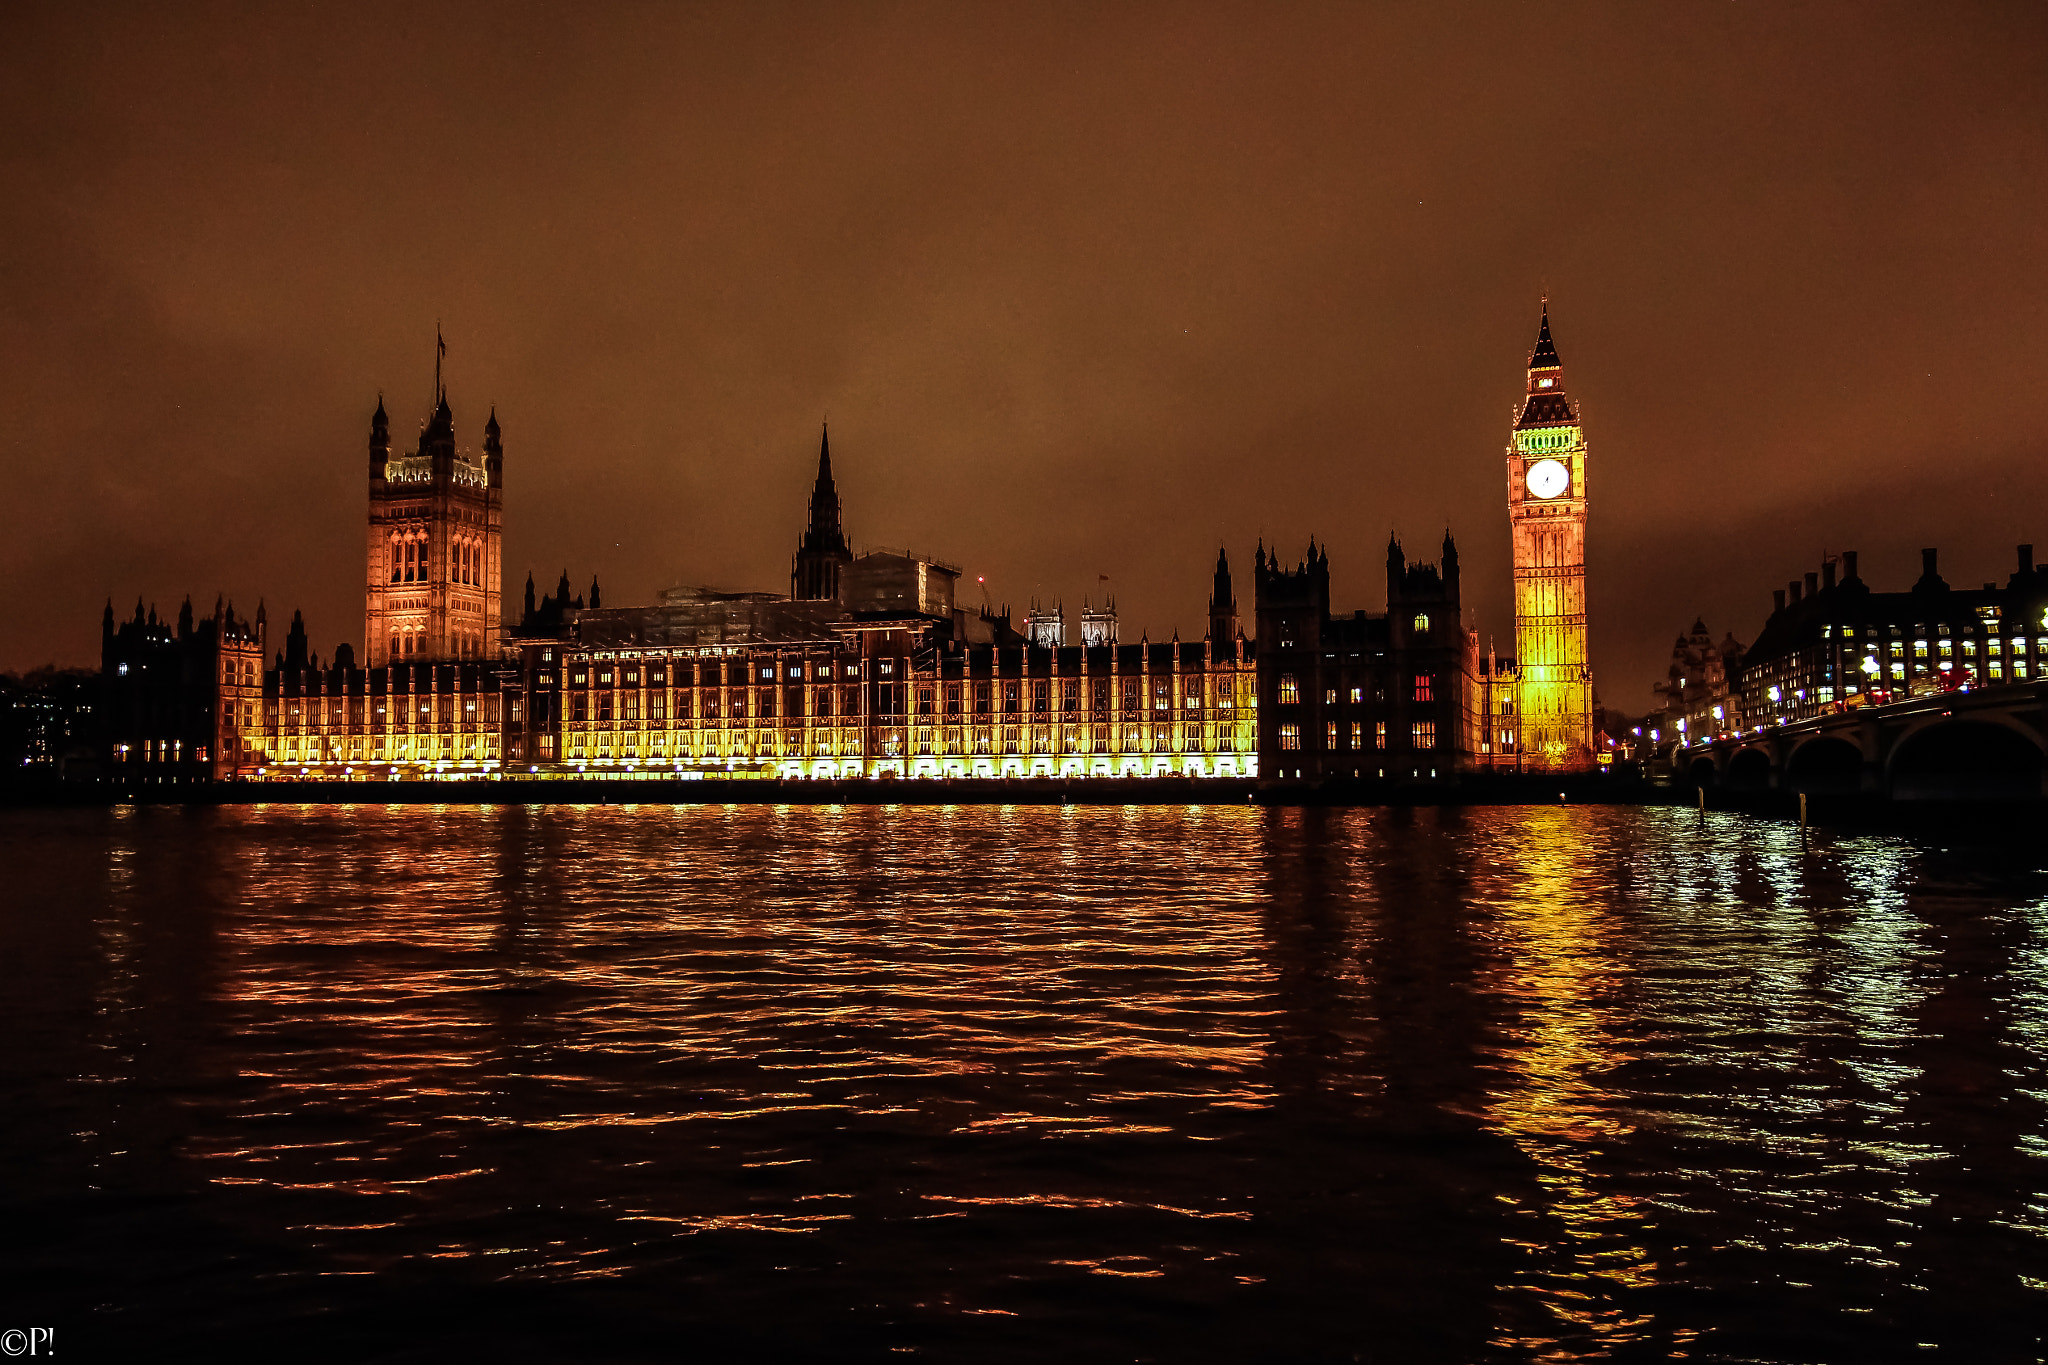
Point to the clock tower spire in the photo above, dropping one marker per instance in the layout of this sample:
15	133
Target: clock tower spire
1547	516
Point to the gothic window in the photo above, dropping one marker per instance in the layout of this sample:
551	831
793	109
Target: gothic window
1425	734
952	699
824	703
1379	734
1290	736
1130	694
1329	696
1424	687
1357	735
1330	735
1290	691
924	701
1009	696
981	698
395	564
1421	624
1038	696
1101	694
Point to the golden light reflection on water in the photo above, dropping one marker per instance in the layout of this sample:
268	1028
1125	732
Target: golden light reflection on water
1543	882
1218	1050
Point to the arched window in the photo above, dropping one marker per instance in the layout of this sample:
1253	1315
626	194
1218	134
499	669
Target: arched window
1421	624
394	644
394	559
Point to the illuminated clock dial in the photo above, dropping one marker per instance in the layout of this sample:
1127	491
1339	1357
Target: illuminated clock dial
1547	479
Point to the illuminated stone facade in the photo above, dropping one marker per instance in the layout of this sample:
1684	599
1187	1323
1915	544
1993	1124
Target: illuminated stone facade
874	699
1547	514
434	566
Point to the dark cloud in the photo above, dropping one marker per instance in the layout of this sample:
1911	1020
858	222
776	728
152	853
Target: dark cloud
1084	291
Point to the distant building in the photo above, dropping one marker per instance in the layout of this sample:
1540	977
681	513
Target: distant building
1833	644
49	725
1046	627
1700	693
1098	624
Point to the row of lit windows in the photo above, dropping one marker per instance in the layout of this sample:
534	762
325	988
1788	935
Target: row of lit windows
1290	690
1421	735
408	559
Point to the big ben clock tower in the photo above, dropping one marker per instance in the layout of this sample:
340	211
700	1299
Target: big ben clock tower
1547	513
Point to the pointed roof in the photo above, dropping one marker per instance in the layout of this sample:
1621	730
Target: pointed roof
1544	357
1545	403
491	426
825	459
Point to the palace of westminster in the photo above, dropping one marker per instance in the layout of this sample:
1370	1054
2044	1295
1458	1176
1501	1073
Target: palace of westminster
868	667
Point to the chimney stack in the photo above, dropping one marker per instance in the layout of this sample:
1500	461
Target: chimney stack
1927	558
1777	600
2026	559
1827	574
1848	566
1812	584
1792	589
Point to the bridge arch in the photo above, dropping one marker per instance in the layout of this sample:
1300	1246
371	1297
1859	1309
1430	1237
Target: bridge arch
1826	763
1982	757
1702	772
1749	769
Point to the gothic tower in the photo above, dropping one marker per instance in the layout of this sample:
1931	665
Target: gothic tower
822	555
1547	515
1223	604
434	564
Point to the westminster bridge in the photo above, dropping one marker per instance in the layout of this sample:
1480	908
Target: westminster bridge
1983	743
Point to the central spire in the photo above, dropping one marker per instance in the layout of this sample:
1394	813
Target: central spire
1544	357
1545	403
825	496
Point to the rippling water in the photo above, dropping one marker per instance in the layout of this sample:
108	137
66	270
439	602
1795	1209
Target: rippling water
984	1084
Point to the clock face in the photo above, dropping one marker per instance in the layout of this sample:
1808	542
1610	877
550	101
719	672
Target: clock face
1547	479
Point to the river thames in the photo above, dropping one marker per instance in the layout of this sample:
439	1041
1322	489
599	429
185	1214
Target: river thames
1024	1083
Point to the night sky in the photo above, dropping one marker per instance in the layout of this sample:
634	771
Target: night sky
1083	290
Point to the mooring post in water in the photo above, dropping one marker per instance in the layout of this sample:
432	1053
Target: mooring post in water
1703	802
1802	810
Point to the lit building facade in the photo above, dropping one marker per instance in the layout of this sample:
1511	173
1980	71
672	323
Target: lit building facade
1499	720
434	563
1832	644
1547	515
